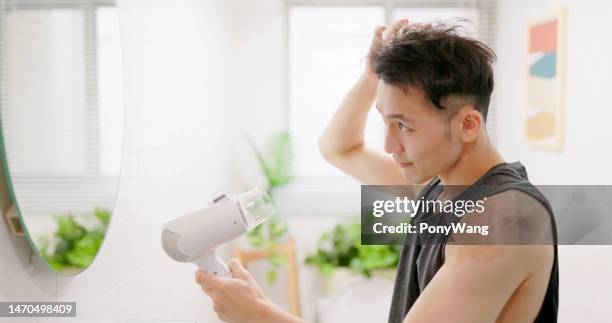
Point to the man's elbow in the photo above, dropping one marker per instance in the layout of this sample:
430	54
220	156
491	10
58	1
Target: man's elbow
327	151
337	157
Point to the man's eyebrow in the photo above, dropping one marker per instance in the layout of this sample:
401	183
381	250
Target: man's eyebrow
395	116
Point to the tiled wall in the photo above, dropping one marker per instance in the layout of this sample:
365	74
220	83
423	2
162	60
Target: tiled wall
176	156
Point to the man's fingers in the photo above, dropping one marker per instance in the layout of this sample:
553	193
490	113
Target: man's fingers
208	291
378	31
209	281
238	270
397	26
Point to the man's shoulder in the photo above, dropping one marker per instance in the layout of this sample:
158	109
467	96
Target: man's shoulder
515	217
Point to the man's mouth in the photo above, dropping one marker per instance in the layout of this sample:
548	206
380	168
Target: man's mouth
404	165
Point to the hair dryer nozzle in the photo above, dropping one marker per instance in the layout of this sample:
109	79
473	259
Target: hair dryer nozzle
256	206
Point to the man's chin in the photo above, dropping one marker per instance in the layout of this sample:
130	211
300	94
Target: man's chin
413	178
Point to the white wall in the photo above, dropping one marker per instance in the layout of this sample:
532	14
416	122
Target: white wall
585	282
587	137
258	81
176	157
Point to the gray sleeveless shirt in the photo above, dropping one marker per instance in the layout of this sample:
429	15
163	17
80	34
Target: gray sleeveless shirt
419	262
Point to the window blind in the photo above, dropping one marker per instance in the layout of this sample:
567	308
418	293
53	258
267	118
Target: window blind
327	44
61	103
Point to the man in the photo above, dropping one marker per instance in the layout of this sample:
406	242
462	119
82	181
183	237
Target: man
433	88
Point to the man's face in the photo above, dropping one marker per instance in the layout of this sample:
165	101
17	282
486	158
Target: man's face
421	141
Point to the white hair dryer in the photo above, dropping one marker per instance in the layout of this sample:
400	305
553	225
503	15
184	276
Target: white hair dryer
194	237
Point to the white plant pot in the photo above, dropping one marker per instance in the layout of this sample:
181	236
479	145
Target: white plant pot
342	277
356	298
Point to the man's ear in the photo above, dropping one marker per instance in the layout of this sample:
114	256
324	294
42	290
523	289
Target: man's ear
471	123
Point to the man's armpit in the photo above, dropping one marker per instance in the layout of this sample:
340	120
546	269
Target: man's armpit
510	218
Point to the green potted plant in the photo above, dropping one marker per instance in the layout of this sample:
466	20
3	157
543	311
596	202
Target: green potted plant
275	162
340	252
73	246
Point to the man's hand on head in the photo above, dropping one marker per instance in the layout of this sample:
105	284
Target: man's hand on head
380	38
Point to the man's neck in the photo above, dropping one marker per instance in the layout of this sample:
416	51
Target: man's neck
475	161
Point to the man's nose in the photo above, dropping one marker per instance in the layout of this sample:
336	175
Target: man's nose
392	143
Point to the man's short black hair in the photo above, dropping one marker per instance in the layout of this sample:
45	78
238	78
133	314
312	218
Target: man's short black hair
450	68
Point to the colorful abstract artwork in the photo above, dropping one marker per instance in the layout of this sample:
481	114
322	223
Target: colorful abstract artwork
545	84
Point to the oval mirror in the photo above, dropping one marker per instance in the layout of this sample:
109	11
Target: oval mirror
61	102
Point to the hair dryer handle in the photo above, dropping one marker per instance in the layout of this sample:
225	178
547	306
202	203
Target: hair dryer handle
213	265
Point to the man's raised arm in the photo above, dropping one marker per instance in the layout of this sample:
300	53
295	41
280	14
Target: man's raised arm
342	143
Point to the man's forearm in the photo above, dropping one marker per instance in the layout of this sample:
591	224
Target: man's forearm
275	314
346	129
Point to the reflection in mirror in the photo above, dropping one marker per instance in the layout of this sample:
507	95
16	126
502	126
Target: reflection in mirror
61	102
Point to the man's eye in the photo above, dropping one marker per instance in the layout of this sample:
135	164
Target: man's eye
403	127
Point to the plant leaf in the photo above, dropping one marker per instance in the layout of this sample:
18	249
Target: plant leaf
271	276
